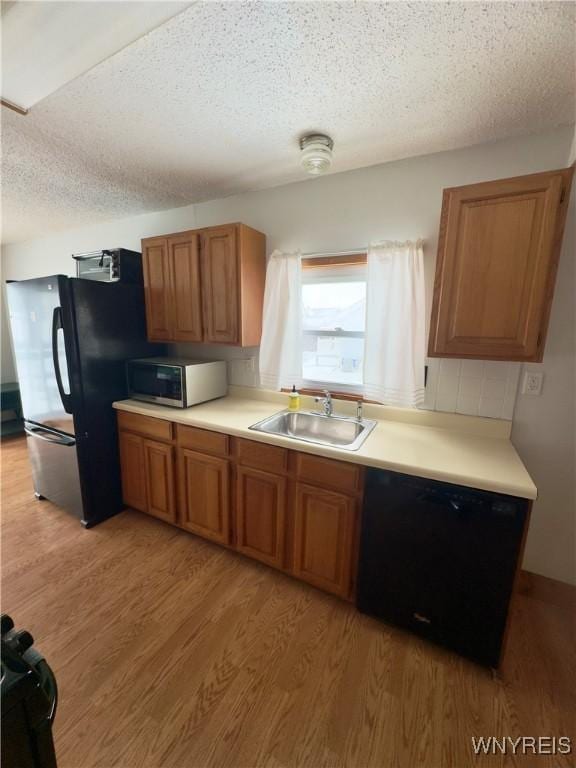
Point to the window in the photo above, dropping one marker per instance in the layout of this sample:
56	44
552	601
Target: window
334	322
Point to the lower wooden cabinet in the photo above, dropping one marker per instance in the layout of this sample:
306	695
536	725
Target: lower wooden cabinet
133	470
204	495
324	526
295	512
261	515
159	465
148	476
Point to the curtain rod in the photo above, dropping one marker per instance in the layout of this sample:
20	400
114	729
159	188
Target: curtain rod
363	249
321	254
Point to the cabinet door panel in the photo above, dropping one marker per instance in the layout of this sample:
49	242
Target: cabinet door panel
160	480
260	515
157	289
496	268
220	285
324	525
184	254
133	470
204	506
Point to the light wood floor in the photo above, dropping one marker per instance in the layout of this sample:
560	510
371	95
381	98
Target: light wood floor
173	652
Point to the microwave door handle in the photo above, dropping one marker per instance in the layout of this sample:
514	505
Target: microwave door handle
57	326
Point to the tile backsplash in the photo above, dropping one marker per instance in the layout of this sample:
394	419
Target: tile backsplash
473	387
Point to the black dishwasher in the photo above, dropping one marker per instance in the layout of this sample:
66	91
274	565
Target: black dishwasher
440	559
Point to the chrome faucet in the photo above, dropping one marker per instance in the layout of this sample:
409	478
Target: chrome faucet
359	410
326	401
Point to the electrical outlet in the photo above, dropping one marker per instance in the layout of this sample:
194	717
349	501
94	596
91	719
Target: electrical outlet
532	384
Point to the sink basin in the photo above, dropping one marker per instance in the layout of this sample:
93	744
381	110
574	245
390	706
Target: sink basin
310	427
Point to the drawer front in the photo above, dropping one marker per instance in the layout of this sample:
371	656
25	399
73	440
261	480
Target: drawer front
269	458
328	473
145	425
202	440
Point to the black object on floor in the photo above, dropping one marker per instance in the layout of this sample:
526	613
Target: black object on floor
440	560
29	696
10	402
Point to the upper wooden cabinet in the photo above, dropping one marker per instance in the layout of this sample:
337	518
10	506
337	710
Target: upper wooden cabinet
205	285
498	253
157	288
184	266
220	286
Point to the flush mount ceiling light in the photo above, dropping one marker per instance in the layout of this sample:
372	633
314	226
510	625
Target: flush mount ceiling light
47	44
316	153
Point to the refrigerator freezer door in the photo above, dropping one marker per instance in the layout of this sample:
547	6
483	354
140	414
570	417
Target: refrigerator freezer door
40	352
110	324
55	467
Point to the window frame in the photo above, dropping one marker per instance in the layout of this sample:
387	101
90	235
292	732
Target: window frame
313	386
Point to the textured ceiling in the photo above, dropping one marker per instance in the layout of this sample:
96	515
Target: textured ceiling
213	101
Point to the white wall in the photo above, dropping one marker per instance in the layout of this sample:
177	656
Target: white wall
394	201
7	369
544	430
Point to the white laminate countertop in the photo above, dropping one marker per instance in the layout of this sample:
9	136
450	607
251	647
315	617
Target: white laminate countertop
452	455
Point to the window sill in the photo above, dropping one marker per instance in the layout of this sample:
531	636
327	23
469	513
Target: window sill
336	395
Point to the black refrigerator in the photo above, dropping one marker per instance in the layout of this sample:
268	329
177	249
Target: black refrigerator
71	338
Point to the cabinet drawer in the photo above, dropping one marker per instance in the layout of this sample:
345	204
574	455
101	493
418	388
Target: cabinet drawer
326	472
261	456
202	440
145	425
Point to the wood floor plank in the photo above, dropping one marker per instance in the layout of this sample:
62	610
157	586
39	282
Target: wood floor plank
171	652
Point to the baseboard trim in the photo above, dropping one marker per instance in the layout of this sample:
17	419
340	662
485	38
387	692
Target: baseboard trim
547	590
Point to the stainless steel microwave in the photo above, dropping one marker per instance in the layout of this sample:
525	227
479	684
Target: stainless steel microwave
176	381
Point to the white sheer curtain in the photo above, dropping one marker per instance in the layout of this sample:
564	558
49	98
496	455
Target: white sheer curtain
281	344
394	351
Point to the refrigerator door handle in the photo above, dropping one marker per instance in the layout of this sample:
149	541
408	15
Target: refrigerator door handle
49	436
57	326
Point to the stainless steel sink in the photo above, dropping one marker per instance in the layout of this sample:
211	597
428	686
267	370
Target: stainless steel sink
310	427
